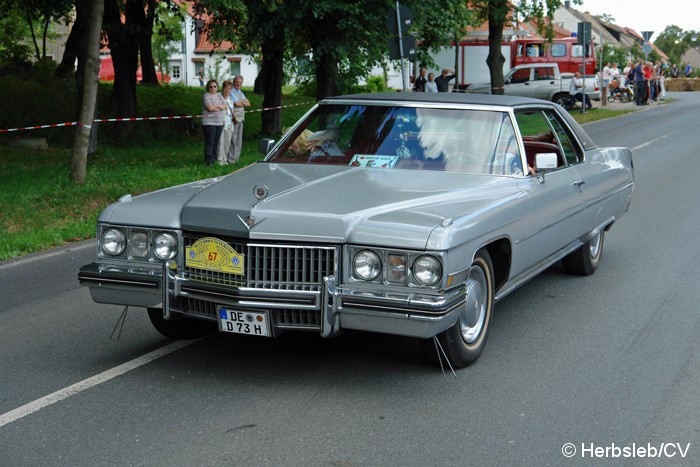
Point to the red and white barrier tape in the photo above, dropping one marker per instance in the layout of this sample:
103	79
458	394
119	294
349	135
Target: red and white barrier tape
135	119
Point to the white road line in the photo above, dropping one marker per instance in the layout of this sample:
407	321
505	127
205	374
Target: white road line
64	393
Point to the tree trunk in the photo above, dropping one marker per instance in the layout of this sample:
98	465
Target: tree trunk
259	86
326	77
273	54
92	69
123	46
143	18
496	15
76	49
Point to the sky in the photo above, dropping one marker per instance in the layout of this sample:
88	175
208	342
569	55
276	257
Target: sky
646	15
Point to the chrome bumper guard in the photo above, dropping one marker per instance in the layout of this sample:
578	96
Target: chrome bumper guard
341	307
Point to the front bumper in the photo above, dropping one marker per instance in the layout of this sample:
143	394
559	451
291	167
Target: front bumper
327	309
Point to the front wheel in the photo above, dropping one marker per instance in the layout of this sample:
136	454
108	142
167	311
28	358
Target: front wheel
466	339
563	99
184	328
585	260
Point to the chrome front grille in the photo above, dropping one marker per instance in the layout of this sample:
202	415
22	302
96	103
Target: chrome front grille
282	267
289	267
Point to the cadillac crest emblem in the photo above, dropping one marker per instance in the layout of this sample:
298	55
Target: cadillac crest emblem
260	192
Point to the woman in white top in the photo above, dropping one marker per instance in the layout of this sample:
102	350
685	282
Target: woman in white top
430	85
213	113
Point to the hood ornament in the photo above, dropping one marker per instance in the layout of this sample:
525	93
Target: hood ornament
260	192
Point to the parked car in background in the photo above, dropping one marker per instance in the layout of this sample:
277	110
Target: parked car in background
400	213
541	81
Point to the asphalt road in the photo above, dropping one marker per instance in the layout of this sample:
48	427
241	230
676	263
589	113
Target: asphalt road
607	362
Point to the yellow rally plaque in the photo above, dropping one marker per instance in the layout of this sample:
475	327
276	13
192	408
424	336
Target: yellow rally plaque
214	255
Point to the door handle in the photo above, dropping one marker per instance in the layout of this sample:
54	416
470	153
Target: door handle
579	184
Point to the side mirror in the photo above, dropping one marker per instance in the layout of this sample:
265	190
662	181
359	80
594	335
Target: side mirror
545	161
265	145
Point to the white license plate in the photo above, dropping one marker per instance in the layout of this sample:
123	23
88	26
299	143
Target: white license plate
254	323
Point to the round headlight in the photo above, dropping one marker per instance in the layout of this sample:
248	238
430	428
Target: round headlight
427	270
113	242
165	246
367	265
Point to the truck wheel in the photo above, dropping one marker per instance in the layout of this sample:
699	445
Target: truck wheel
183	328
562	99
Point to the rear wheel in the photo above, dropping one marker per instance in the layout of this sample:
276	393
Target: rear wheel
466	339
624	97
183	328
586	259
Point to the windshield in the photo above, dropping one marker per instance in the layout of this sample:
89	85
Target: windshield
471	141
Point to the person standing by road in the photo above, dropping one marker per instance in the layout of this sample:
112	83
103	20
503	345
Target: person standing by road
214	107
640	83
419	85
443	81
430	85
239	104
227	133
673	72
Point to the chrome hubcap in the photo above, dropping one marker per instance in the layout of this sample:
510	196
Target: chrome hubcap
595	244
473	314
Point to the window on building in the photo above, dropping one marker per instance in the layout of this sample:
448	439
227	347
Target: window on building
175	71
235	68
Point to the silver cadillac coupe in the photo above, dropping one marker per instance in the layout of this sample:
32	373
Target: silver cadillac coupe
397	213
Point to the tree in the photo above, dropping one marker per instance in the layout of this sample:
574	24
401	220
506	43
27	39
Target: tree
13	31
435	31
39	15
167	34
123	45
674	41
498	13
92	68
343	39
77	49
254	25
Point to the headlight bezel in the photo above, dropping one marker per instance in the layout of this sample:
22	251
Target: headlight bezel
139	243
397	267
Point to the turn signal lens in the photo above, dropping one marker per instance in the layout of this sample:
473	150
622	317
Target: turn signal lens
396	268
139	244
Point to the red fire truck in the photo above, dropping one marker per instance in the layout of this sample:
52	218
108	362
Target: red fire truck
470	57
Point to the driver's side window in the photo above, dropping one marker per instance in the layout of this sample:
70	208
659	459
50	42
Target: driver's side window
538	136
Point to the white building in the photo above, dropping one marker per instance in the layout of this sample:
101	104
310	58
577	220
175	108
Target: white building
197	54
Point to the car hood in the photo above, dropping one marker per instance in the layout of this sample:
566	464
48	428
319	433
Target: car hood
318	203
480	88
